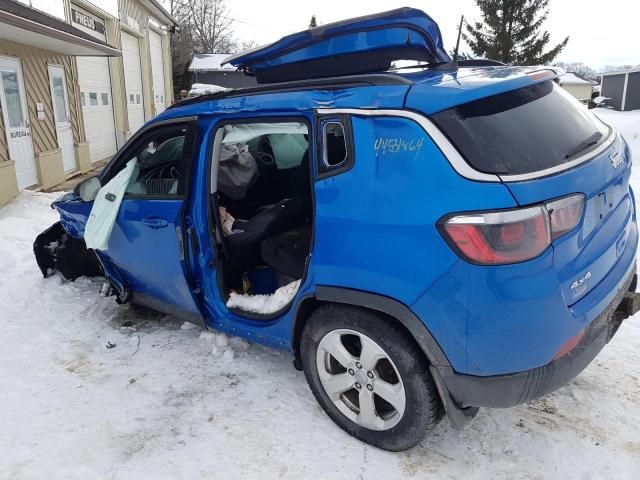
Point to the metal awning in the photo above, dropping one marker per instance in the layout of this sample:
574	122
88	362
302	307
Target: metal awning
22	24
157	10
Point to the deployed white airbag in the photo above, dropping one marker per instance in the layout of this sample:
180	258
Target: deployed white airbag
105	208
244	132
237	171
288	150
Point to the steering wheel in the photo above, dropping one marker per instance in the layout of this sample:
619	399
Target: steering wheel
265	153
266	159
173	173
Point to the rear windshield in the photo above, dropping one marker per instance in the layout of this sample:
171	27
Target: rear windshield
522	131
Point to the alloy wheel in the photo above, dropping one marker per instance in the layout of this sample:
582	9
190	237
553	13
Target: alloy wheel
360	379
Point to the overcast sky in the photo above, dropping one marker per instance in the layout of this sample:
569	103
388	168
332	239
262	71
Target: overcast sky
597	39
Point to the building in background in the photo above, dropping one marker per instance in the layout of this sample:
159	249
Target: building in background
622	89
76	81
206	69
577	86
42	136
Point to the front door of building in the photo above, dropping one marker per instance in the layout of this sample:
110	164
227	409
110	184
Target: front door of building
16	122
60	102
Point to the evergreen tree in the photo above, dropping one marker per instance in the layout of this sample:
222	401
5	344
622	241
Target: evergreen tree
511	32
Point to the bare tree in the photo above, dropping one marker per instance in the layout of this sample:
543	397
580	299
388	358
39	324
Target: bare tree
211	26
244	46
204	27
580	68
181	45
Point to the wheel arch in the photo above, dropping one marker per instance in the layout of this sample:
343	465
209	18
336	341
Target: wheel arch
392	308
398	312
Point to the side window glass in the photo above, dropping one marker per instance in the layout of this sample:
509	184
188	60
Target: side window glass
336	151
335	148
160	163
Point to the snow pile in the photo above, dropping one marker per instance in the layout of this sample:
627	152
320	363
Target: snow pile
628	124
222	345
571	78
205	88
265	304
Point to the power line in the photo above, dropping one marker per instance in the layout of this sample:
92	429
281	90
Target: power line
249	23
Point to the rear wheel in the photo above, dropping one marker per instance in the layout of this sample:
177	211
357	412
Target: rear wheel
369	376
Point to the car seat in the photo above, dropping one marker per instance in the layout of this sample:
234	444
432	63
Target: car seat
243	246
287	252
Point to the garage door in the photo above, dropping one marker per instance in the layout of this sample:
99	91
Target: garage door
97	106
157	69
133	80
95	91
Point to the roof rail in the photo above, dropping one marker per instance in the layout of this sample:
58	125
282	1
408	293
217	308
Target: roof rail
329	83
480	62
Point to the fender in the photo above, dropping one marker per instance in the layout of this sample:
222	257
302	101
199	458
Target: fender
393	308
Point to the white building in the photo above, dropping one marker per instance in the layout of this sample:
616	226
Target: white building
577	86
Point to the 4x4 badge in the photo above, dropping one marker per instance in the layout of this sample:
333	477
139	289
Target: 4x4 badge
616	159
579	286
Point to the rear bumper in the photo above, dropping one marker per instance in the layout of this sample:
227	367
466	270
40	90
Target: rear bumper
501	391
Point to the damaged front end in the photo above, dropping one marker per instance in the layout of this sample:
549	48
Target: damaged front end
61	247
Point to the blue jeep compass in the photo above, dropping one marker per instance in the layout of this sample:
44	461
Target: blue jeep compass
425	236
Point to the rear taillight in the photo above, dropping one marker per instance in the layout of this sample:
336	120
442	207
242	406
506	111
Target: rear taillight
565	213
511	236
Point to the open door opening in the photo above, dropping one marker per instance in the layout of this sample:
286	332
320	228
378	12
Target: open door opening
262	202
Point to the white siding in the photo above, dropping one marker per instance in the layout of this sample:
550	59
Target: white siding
581	92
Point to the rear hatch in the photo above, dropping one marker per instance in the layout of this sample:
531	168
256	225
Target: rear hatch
544	145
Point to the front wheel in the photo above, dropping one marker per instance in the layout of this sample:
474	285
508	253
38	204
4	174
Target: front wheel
369	376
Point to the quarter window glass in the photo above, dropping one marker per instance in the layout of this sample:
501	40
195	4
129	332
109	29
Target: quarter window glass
522	131
334	144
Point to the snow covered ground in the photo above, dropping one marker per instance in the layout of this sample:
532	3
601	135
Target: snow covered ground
169	401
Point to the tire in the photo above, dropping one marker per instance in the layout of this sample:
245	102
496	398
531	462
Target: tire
396	425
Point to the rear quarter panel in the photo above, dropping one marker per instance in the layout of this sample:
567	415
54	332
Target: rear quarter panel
376	223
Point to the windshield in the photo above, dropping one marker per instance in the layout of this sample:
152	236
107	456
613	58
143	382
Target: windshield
522	131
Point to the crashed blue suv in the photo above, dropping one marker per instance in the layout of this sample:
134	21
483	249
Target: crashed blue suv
425	236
